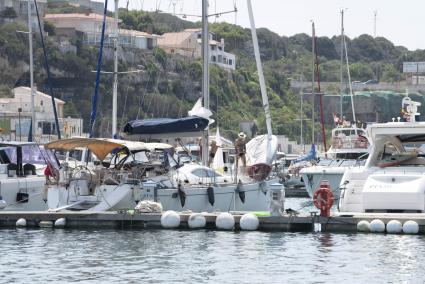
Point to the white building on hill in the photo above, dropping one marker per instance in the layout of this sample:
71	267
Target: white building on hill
68	25
188	43
15	117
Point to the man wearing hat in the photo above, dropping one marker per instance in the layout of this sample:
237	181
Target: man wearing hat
213	150
240	149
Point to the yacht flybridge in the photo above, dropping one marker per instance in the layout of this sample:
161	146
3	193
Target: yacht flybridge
393	179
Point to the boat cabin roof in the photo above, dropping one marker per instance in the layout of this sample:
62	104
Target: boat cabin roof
16	143
406	132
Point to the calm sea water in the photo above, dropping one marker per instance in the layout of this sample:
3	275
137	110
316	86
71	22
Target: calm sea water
182	256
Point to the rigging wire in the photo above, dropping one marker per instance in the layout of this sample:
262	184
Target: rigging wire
125	105
141	100
49	77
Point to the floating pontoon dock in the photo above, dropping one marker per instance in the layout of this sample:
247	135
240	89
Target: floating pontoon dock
133	220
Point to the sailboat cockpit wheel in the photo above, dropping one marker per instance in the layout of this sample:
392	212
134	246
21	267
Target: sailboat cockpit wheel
83	173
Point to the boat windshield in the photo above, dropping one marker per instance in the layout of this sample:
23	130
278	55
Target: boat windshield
352	156
31	154
401	155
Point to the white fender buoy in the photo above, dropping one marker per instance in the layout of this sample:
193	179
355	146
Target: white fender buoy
363	226
60	223
377	226
45	224
196	220
170	219
21	222
410	227
225	221
3	204
249	222
394	227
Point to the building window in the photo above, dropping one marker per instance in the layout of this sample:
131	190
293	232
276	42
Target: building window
212	47
199	36
213	59
41	103
230	62
220	48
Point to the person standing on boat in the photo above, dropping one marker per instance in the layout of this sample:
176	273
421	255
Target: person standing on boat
213	150
240	148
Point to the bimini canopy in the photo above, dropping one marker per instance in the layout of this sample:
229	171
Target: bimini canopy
98	146
166	126
101	147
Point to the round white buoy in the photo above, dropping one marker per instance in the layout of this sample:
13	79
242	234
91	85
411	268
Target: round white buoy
196	220
363	226
394	227
21	223
410	227
249	222
3	204
60	223
377	226
170	219
225	221
45	224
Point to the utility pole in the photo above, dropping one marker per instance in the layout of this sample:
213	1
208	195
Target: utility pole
115	88
375	13
33	122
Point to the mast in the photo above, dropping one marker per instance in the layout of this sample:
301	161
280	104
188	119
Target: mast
312	81
115	88
341	86
31	71
322	119
301	110
349	81
260	72
205	77
49	77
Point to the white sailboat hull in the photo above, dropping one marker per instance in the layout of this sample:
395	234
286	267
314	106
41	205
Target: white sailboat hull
226	198
31	185
313	176
105	198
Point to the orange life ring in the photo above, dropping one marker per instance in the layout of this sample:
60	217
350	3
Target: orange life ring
323	198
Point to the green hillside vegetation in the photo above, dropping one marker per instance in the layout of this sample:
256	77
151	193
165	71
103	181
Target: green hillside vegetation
169	85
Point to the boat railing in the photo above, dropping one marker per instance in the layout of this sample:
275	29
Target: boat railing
347	142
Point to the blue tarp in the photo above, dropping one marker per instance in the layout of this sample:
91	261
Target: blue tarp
310	156
166	125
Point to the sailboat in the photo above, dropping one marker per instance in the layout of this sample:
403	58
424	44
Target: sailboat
198	187
349	143
21	183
